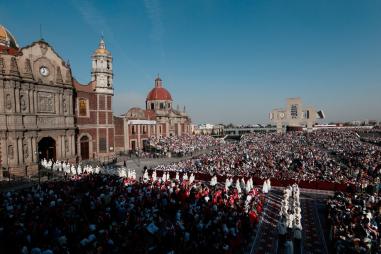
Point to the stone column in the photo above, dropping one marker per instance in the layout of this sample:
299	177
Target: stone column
70	105
34	150
20	152
35	101
61	104
17	99
58	98
30	149
179	133
4	148
30	100
73	145
2	98
63	150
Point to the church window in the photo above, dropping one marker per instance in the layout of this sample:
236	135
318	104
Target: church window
133	131
294	111
144	129
108	65
102	145
152	106
82	107
161	105
108	81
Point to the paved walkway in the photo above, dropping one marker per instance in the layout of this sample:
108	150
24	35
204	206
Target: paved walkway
266	236
313	241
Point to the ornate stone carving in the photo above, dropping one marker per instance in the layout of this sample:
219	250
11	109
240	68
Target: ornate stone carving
8	102
23	103
64	105
44	48
48	122
14	68
66	144
2	65
25	150
10	152
46	102
59	75
28	69
68	76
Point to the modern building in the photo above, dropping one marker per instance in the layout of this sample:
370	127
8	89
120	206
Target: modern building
295	116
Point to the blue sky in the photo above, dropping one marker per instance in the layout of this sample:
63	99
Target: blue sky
226	61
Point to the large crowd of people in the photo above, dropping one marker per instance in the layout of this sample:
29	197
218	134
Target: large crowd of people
111	210
100	213
337	156
183	145
355	221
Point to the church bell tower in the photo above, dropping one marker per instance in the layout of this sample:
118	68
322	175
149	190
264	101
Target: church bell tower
101	71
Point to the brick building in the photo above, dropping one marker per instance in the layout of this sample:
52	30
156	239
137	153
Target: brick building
93	108
159	119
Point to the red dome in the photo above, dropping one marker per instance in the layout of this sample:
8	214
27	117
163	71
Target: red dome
159	93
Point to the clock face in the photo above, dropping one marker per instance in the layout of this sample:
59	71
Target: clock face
44	71
281	115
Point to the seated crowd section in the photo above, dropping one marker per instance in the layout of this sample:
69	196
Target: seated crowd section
354	220
337	156
183	145
101	213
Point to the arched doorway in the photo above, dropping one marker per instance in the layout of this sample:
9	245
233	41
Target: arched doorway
84	142
47	148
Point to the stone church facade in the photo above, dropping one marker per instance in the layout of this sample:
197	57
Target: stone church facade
36	105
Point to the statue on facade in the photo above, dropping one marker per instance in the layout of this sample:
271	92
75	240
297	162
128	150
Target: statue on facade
8	102
64	105
10	152
25	150
23	102
66	144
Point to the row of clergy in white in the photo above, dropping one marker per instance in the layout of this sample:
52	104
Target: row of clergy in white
290	211
239	184
78	169
131	173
